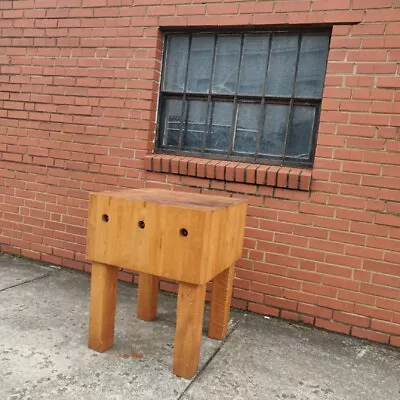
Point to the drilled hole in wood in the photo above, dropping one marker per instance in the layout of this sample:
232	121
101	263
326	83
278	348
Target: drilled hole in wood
184	232
105	217
141	224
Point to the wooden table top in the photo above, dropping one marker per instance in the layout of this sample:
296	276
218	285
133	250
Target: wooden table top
178	199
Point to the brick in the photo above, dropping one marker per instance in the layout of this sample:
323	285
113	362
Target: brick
222	8
292	6
174	165
382	15
395	341
388	82
256	8
351	319
332	326
264	310
371	335
387	304
335	268
294	178
304	275
248	296
321	290
266	289
370	4
386	280
183	166
336	305
381	291
326	5
240	188
347	17
261	175
270	19
373	312
315	310
220	170
250	174
339	282
289	315
378	69
280	303
386	327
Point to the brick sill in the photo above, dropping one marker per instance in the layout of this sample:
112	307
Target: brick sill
231	171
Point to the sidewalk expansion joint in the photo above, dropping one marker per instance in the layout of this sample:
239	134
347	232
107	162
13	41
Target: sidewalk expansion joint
200	372
24	282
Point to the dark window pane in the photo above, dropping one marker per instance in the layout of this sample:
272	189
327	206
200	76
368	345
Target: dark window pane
220	131
200	63
196	120
172	122
246	128
282	65
176	63
272	141
254	64
226	64
301	131
312	65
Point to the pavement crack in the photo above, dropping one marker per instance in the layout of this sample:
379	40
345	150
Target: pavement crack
201	370
28	281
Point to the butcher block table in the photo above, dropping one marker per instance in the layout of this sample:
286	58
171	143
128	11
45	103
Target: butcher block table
189	238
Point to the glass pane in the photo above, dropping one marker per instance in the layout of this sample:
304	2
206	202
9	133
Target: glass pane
246	128
254	64
200	63
220	130
273	136
226	64
282	65
172	122
196	120
312	65
176	63
301	131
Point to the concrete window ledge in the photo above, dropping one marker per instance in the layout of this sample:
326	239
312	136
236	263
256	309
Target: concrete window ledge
231	171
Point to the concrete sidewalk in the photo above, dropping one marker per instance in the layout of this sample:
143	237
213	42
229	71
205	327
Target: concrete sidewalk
44	354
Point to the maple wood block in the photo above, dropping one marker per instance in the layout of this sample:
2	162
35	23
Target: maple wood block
181	236
189	323
103	297
190	238
221	295
147	297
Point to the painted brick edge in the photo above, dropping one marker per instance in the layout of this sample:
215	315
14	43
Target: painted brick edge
282	177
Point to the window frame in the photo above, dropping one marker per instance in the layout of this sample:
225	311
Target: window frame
236	99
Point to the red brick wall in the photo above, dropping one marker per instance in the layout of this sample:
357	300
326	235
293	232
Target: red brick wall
78	97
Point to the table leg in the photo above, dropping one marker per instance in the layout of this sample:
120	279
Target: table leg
221	295
103	298
189	324
147	297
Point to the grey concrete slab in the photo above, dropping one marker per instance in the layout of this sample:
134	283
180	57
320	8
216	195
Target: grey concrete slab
44	354
271	359
14	271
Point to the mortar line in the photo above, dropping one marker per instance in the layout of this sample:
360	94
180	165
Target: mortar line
199	373
28	281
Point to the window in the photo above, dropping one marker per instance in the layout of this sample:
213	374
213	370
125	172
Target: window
252	96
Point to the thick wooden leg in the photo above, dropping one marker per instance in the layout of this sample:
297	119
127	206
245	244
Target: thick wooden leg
221	295
103	298
189	326
147	297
